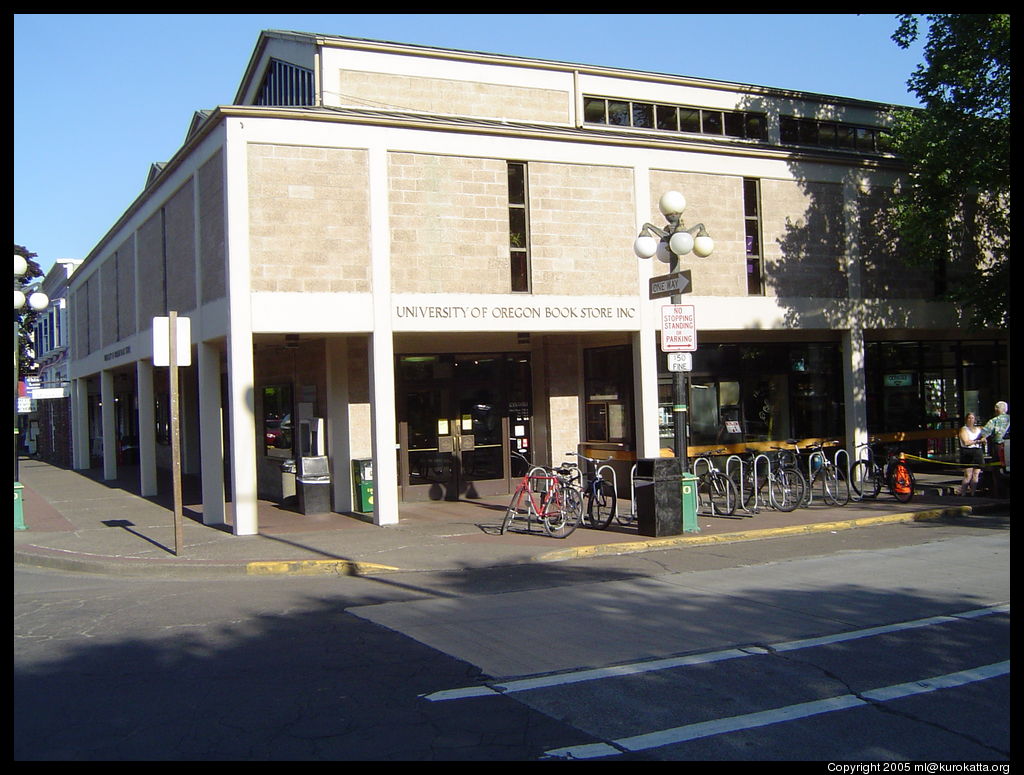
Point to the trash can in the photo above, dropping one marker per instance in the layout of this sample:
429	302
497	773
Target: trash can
313	485
688	502
362	480
658	496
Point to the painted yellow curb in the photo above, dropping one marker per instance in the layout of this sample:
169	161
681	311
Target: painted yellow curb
669	542
313	567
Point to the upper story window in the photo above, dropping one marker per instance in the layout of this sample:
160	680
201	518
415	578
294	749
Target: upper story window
832	134
675	118
286	84
519	227
752	223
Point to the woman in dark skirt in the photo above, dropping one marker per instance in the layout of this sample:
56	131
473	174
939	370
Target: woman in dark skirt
971	454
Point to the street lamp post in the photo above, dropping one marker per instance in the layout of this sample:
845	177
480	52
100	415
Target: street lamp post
37	301
668	244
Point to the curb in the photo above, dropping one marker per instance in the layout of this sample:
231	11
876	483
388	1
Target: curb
57	559
80	562
317	567
669	542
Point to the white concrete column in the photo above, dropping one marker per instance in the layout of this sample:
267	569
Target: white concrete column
645	354
191	443
645	391
241	377
854	391
382	348
80	424
147	427
384	428
339	441
242	422
211	437
109	426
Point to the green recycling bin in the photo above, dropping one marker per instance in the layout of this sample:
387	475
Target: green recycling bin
362	478
688	503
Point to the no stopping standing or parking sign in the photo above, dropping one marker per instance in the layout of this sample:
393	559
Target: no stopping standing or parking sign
678	328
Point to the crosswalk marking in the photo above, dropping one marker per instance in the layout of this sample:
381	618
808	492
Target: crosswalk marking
702	729
635	668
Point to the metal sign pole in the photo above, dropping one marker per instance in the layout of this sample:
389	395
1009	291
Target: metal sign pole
175	432
680	394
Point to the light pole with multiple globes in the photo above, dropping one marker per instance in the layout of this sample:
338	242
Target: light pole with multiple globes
36	301
668	244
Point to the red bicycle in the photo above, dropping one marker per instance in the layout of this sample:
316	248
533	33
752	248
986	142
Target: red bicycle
548	495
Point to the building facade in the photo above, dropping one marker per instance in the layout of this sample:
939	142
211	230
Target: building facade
48	433
423	258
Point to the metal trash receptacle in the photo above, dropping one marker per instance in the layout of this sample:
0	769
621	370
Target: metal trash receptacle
658	494
362	485
313	485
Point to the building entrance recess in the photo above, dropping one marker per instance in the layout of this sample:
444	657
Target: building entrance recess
456	414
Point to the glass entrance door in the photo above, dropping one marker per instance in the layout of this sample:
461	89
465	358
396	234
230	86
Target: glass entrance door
453	426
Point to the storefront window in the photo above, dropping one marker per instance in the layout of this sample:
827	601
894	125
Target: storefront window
277	421
764	392
608	377
916	386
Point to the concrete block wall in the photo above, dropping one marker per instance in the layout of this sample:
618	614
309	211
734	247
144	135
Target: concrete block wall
449	224
804	239
126	306
180	250
212	250
447	96
308	219
581	229
717	202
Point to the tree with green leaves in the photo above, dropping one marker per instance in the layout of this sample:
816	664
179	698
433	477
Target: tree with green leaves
953	212
27	317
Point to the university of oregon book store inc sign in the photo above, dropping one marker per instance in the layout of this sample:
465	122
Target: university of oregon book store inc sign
556	313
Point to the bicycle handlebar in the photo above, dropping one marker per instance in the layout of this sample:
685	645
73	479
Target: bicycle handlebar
590	459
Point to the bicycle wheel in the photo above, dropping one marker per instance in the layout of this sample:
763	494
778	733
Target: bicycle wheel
835	492
722	494
752	491
601	504
901	481
787	489
865	480
562	511
513	510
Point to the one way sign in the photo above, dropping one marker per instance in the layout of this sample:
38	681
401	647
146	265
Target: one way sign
670	284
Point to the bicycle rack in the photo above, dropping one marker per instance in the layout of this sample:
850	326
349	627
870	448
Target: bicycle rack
811	471
632	490
758	503
842	452
707	464
755	465
615	485
867	458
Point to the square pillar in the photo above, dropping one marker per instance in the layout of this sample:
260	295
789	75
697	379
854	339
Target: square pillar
109	426
147	428
211	438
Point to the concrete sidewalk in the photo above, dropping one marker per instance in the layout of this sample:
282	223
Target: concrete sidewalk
78	522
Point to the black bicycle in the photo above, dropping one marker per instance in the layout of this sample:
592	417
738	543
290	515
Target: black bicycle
778	482
823	469
868	475
719	490
599	492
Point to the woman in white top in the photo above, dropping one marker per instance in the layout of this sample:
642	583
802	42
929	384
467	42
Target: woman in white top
971	455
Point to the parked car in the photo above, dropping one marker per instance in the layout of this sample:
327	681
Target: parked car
277	434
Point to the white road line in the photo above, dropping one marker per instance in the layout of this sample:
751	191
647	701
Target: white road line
635	668
778	715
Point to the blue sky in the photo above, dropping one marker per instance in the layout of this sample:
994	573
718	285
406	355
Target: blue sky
100	97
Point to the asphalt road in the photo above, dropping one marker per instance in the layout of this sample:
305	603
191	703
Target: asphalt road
700	654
